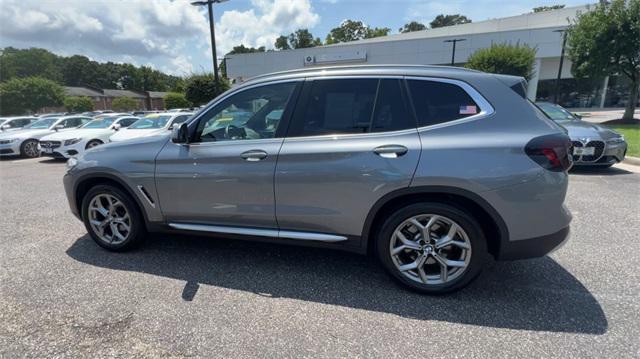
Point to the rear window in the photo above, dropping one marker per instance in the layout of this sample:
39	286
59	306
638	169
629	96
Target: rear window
439	102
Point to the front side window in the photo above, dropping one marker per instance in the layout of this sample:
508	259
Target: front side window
126	122
251	114
43	123
179	120
438	102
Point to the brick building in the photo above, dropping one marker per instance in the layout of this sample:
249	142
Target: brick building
103	98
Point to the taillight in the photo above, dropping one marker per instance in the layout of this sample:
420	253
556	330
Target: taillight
552	152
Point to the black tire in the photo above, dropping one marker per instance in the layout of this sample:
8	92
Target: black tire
93	143
137	232
466	221
26	152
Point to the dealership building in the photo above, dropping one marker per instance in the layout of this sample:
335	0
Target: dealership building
541	30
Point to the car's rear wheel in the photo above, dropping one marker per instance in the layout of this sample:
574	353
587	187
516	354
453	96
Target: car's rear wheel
112	218
432	248
92	144
29	149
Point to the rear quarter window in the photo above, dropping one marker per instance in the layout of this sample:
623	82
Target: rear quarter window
439	102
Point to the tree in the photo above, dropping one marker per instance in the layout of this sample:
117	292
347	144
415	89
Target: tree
547	8
18	96
176	100
124	104
412	26
301	38
349	30
282	43
241	49
201	89
376	32
449	20
31	62
504	59
606	41
78	103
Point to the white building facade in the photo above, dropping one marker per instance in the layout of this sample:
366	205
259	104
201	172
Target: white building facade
430	47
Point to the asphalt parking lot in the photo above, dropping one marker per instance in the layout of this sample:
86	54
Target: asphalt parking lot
63	296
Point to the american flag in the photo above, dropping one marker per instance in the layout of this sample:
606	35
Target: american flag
468	110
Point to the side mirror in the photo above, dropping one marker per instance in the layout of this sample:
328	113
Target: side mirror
58	127
5	127
180	134
117	126
578	116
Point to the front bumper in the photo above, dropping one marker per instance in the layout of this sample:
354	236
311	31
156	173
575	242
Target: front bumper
10	149
533	247
612	154
69	188
63	151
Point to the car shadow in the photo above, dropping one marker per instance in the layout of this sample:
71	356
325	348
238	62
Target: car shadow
51	160
598	171
537	295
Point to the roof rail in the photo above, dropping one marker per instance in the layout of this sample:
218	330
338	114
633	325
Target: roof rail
368	66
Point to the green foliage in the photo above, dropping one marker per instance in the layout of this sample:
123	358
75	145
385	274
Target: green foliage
201	89
16	63
18	96
504	59
606	40
78	103
412	26
124	104
176	100
449	20
282	43
376	32
245	50
547	8
80	71
350	30
301	38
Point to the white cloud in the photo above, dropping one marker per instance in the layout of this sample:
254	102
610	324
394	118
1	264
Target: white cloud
107	30
261	25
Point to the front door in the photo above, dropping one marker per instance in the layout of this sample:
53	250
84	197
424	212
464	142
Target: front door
351	142
224	176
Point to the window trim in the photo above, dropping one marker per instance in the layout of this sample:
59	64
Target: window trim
486	109
285	120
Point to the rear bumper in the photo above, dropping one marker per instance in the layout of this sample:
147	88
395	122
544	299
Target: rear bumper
533	247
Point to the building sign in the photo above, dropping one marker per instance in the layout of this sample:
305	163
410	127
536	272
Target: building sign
348	56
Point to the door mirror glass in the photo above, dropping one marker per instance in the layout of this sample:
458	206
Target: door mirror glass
180	134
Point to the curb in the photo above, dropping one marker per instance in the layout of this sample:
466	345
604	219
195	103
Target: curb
635	161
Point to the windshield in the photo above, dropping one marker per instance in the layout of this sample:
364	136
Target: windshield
44	123
102	123
150	123
556	112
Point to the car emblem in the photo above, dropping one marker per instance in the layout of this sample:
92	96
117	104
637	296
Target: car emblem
584	139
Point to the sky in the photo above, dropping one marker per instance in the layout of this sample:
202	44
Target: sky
173	36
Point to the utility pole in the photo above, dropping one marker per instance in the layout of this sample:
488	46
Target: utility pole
556	95
209	4
453	53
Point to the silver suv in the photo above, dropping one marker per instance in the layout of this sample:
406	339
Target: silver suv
431	169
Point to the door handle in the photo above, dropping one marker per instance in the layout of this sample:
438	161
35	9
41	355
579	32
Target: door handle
253	155
390	151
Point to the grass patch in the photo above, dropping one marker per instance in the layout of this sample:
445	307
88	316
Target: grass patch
632	136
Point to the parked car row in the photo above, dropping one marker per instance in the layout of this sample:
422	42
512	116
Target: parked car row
69	136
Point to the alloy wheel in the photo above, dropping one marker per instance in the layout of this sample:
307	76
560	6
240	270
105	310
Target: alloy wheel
31	149
109	219
430	249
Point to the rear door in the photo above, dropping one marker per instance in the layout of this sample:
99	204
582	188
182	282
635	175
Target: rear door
351	141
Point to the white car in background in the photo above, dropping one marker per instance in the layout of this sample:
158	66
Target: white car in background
15	123
24	142
72	143
151	125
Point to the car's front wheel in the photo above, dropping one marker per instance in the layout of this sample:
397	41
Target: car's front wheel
92	144
432	248
112	218
29	149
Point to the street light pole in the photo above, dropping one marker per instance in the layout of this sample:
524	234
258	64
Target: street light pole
209	4
564	43
453	53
